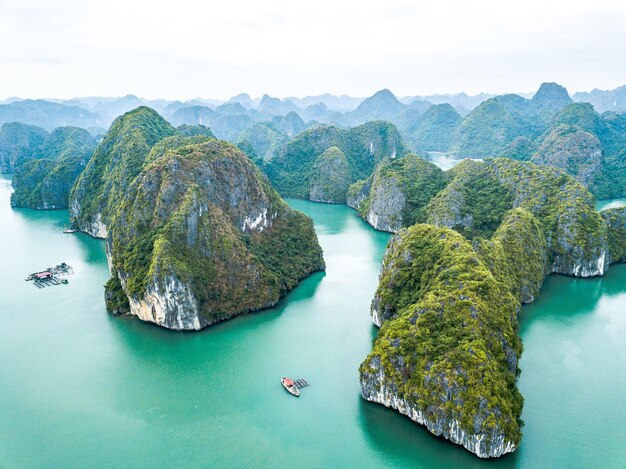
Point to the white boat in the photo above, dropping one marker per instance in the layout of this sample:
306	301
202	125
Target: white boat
290	386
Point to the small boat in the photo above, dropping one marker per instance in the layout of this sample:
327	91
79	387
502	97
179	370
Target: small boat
69	230
290	386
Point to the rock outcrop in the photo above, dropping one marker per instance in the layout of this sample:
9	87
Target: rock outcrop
615	219
475	202
397	193
201	236
492	126
262	141
119	158
447	351
448	348
521	148
573	150
331	177
485	132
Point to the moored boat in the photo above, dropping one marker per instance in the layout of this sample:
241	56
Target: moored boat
290	386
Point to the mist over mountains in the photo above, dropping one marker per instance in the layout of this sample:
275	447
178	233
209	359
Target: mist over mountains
98	112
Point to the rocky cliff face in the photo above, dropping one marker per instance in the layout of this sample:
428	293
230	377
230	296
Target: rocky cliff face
119	158
331	177
615	219
573	150
375	387
397	193
448	348
447	351
202	237
475	202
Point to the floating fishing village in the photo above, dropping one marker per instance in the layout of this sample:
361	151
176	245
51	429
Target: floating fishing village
51	276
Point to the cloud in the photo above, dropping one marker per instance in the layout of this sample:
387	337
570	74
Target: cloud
186	48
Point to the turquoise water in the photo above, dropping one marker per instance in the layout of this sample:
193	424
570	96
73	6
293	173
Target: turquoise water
81	388
610	203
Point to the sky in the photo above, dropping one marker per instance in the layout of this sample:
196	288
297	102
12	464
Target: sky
184	49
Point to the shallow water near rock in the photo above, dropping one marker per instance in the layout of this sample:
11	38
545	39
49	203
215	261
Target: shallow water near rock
605	204
81	388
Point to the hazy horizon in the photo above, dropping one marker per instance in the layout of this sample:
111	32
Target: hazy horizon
81	49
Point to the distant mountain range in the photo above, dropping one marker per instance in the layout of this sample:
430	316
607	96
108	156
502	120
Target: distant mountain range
97	113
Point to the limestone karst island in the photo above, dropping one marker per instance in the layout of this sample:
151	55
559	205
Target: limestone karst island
332	235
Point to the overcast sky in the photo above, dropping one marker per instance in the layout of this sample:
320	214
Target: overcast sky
183	49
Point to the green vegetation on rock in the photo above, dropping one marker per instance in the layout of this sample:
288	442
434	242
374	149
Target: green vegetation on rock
575	151
521	148
119	158
480	194
517	254
397	193
435	128
194	130
485	132
201	236
330	178
291	168
19	143
610	130
447	351
615	219
473	203
261	141
491	128
45	183
448	297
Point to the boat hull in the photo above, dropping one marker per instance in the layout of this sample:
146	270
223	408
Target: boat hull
291	389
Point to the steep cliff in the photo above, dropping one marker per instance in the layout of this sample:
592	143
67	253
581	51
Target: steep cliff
330	178
446	354
397	193
448	349
201	236
119	158
475	202
45	183
615	219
